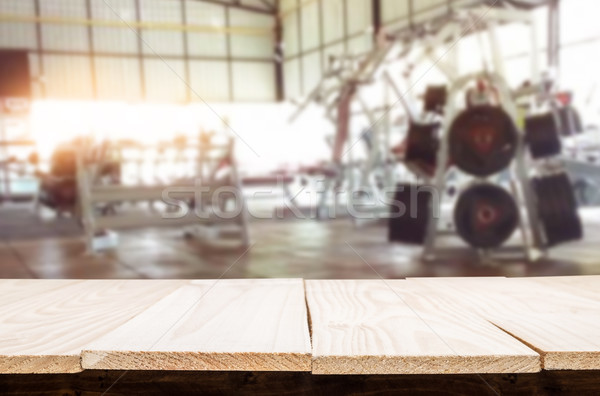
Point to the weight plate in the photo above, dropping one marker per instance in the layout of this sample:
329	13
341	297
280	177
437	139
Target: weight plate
557	208
421	147
542	135
483	140
565	186
558	219
409	214
570	226
485	215
435	98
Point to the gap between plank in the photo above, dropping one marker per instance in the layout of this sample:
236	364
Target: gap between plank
307	316
527	344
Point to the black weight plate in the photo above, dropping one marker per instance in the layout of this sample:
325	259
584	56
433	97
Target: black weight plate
556	215
422	146
564	185
409	214
570	224
483	140
551	213
567	229
435	98
557	208
542	135
543	207
485	216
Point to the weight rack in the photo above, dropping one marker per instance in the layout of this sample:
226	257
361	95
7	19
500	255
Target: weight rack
520	183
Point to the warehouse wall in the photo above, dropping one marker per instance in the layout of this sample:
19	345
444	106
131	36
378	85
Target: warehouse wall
315	29
111	61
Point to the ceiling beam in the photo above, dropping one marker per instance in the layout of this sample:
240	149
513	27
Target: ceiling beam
242	6
241	30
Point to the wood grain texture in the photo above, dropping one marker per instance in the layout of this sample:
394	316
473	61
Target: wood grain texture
587	286
419	325
392	327
45	323
254	325
558	317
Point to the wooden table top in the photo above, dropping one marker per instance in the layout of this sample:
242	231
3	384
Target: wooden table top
409	326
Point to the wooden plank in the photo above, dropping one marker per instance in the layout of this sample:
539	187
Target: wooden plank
253	324
583	286
557	317
45	323
12	290
394	327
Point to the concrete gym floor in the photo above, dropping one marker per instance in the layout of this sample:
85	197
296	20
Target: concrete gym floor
30	248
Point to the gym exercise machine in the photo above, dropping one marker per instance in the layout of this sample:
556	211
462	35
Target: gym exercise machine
502	167
201	199
18	158
341	94
58	186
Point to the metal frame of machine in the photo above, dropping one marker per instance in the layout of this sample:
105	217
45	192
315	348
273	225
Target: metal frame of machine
197	192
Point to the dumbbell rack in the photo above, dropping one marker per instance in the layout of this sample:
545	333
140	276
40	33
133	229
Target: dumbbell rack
533	241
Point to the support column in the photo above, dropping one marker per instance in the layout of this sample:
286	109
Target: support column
278	56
